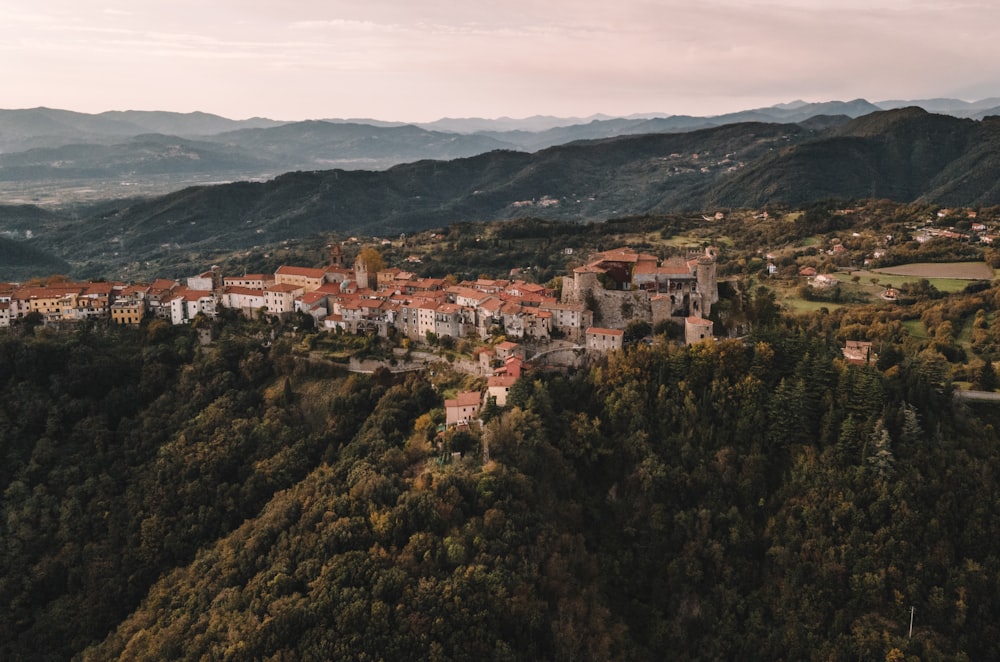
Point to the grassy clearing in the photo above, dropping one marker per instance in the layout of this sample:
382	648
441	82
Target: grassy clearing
964	337
929	270
916	329
790	299
684	241
799	305
947	285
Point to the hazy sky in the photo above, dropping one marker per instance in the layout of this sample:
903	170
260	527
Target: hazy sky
418	60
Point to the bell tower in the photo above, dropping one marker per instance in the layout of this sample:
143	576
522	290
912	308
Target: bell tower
336	255
361	273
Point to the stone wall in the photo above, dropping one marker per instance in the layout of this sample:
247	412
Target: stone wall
616	309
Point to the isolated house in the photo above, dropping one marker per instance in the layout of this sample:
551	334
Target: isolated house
464	408
498	387
859	352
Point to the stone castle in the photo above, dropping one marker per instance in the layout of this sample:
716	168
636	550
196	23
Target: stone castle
622	285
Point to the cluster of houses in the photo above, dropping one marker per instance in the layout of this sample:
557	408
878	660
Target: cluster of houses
396	302
506	363
338	297
392	301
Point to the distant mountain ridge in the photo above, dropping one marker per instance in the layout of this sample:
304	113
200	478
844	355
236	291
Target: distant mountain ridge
259	147
904	155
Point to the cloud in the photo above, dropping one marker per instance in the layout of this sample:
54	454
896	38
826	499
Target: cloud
437	57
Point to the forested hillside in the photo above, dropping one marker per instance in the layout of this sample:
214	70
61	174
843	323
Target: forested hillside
744	499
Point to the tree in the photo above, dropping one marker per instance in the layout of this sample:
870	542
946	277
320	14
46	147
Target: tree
880	456
985	378
372	260
30	321
636	330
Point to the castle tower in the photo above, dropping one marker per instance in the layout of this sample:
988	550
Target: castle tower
361	273
708	284
584	281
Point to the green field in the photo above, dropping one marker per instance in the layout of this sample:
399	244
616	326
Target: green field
689	241
947	285
797	304
960	270
916	329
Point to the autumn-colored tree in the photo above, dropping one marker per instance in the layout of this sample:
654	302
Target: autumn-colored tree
372	260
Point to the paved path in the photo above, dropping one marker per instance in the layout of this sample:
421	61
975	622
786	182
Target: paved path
979	396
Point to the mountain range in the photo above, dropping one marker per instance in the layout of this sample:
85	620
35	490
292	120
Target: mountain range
905	155
122	153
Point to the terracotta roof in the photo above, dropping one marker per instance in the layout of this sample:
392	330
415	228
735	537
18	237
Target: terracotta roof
306	272
491	305
194	295
624	255
598	331
501	380
246	291
676	266
282	287
575	307
161	284
468	293
313	297
464	399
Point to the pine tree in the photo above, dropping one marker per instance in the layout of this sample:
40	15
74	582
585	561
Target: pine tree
880	456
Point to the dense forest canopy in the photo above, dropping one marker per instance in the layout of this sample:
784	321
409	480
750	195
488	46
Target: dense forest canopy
752	498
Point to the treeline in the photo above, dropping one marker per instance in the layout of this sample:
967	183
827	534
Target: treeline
744	499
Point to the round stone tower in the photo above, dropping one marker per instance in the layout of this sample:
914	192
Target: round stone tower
708	284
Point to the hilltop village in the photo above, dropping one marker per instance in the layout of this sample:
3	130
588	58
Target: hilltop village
614	287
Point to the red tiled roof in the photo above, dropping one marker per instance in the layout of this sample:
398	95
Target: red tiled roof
282	287
464	399
598	331
246	291
306	272
501	380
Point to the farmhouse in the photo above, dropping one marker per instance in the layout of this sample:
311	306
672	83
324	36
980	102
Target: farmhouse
859	352
463	408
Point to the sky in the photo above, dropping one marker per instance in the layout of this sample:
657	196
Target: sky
421	60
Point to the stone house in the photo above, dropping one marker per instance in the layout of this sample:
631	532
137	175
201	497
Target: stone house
463	408
604	340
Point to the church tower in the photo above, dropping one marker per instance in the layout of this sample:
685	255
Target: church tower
336	255
361	273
